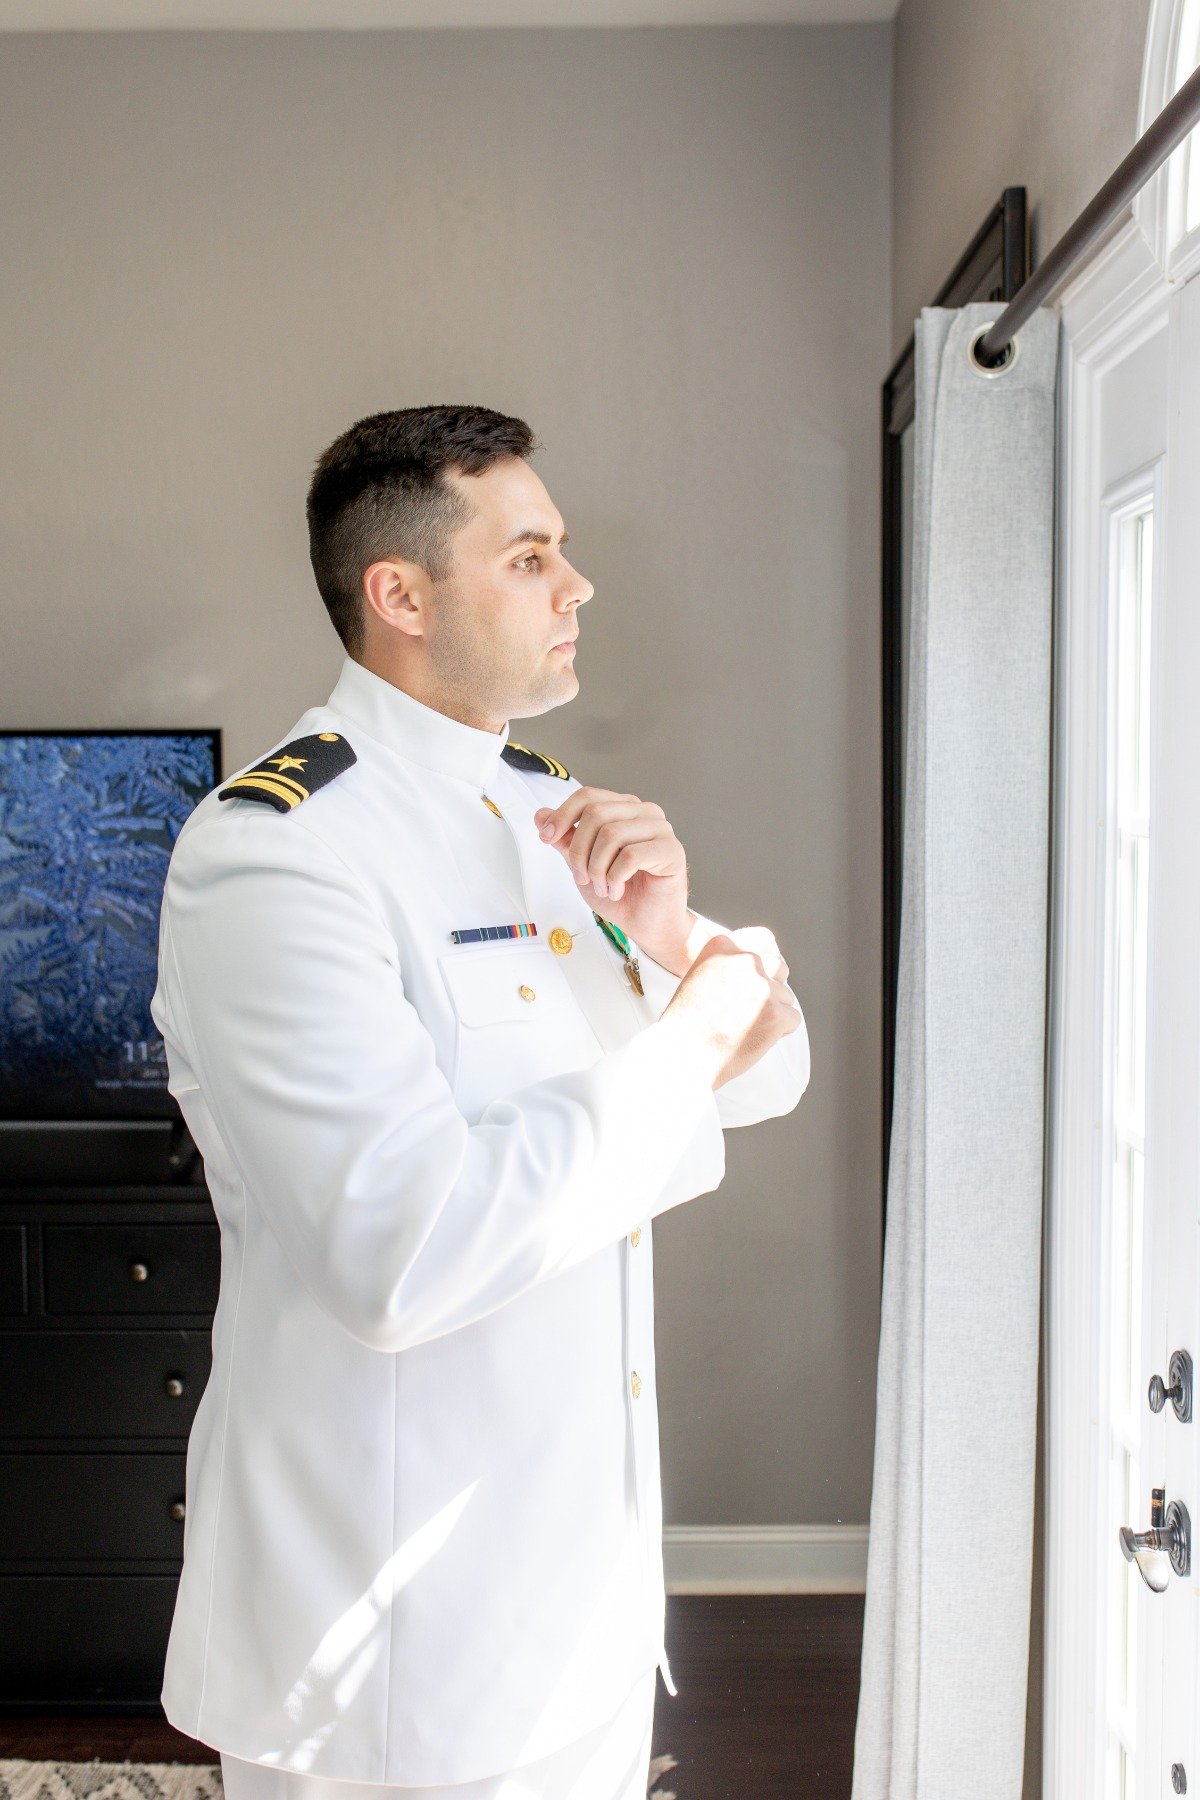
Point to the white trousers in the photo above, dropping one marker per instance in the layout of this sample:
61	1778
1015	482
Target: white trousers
610	1763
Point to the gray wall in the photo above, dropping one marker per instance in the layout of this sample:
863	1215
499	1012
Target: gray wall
992	95
670	251
988	96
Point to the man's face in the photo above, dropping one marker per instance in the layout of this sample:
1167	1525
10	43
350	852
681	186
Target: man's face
511	598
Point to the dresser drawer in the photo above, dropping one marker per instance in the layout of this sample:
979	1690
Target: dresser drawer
102	1383
99	1639
75	1506
132	1268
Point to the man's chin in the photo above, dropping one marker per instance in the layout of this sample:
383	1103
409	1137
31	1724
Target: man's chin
550	694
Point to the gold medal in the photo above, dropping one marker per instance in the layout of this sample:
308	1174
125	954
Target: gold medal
616	936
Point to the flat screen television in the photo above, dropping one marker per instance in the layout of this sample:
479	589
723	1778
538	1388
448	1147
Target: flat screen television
88	820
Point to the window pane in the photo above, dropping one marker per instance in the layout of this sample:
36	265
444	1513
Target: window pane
1142	651
1186	60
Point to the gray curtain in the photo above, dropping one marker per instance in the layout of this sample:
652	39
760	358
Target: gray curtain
946	1638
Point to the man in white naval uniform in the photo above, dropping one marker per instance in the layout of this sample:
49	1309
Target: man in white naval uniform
439	1103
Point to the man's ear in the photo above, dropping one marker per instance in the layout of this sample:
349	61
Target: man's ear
397	592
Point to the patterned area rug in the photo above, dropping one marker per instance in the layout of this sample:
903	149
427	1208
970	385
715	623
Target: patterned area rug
159	1781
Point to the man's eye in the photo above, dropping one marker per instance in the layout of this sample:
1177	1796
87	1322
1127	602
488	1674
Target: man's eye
532	557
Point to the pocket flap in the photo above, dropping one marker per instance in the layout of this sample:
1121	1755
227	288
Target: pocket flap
485	984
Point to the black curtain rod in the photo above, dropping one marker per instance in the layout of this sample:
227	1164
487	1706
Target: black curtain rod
1152	148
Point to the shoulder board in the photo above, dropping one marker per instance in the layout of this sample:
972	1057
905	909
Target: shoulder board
290	775
521	758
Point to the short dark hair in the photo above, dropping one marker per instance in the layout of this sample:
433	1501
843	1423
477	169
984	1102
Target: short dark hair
380	490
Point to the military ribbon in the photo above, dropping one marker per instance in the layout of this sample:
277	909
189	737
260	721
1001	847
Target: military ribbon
474	934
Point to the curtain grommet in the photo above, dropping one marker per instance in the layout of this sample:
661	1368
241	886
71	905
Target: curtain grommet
1010	352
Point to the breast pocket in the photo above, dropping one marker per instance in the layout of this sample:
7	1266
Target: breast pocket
516	1021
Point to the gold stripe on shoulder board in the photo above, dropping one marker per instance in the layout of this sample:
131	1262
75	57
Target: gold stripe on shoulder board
266	784
284	781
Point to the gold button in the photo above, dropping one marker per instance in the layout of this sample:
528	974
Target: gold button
560	940
492	804
635	1382
635	1236
527	993
328	737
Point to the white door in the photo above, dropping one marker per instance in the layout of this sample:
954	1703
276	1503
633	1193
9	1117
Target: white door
1123	1270
1169	1670
1130	526
1122	1661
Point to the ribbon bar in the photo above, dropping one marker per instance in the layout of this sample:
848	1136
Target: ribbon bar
474	934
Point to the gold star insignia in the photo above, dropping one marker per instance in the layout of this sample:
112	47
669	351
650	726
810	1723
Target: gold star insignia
288	762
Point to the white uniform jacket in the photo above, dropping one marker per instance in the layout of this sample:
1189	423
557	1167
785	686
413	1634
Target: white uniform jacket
422	1539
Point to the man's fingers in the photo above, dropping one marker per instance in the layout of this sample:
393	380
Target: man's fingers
629	845
560	818
579	845
761	940
654	851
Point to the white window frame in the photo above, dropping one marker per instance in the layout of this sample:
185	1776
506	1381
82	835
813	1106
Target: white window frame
1159	207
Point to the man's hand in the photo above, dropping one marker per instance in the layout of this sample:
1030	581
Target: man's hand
630	868
731	1005
760	939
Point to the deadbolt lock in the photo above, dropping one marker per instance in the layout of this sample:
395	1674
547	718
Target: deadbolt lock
1180	1391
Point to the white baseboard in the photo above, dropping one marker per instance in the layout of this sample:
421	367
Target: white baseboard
765	1559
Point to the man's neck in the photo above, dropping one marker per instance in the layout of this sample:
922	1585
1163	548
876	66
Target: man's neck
454	706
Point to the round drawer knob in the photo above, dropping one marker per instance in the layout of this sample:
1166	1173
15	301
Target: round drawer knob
635	1236
560	940
526	993
139	1271
635	1382
174	1386
177	1509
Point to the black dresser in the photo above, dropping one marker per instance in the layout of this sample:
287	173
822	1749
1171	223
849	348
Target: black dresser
107	1297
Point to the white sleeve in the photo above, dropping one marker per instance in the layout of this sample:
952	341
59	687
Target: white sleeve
770	1087
280	990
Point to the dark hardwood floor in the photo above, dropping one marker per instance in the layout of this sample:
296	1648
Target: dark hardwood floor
768	1690
768	1693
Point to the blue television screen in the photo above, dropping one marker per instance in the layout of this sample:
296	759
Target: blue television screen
87	823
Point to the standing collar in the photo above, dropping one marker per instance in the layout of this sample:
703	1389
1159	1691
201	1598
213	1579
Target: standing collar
395	718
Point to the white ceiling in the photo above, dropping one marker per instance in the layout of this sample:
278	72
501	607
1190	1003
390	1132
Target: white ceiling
357	15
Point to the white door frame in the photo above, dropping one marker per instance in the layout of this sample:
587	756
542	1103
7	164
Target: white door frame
1116	303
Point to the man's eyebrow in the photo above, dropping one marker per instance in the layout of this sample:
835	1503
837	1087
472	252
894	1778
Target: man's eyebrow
529	537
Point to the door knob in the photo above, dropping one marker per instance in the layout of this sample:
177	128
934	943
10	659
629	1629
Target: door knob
1166	1546
1180	1391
